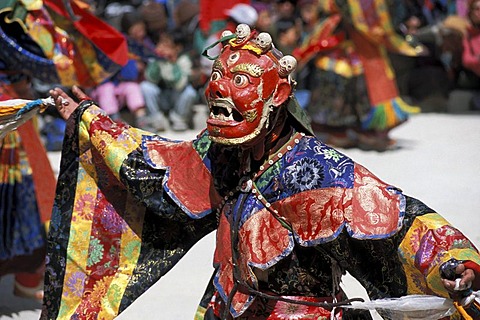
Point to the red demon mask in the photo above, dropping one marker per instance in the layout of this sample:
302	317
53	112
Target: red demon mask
249	79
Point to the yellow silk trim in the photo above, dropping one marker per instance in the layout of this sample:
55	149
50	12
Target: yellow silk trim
14	172
79	242
417	283
247	46
12	106
32	4
200	313
113	151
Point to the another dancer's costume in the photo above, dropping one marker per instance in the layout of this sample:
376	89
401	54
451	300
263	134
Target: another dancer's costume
27	188
349	53
290	219
42	40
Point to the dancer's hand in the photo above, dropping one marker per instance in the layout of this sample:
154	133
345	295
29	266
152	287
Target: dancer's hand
461	278
65	104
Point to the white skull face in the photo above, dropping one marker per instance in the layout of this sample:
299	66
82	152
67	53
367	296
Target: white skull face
226	33
242	31
287	65
264	41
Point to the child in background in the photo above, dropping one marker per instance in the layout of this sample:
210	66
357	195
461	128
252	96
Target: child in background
168	83
123	89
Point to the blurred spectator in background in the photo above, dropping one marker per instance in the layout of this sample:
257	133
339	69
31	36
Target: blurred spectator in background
155	17
309	15
239	13
428	79
123	89
287	35
461	7
168	82
134	26
285	9
265	20
471	52
287	38
186	20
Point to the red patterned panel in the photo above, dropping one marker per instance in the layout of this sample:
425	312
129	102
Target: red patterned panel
263	238
315	214
376	209
191	172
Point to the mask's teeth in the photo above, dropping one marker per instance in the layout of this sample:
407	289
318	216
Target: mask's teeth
223	113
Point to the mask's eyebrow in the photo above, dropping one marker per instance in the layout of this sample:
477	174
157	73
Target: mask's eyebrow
250	68
217	64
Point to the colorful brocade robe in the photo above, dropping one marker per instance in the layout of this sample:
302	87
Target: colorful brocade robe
130	204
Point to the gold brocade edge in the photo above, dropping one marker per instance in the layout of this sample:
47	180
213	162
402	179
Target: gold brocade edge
200	313
79	241
117	149
69	303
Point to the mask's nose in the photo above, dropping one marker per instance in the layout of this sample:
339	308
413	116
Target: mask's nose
217	89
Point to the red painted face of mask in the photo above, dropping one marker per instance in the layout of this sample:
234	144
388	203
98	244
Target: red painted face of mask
244	88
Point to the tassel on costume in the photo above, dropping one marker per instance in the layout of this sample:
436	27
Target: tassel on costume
388	114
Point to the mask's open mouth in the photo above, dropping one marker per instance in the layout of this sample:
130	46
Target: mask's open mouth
222	111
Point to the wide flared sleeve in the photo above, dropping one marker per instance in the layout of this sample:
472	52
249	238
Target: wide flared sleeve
106	246
430	241
407	262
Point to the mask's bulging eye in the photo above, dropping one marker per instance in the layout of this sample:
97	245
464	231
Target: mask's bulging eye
240	80
216	75
233	58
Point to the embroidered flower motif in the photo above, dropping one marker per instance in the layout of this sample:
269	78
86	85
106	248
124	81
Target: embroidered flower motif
290	311
332	154
111	221
104	140
131	249
75	283
96	252
84	206
304	174
100	289
113	297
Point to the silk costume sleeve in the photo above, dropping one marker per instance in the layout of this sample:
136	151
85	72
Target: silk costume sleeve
106	246
407	262
429	242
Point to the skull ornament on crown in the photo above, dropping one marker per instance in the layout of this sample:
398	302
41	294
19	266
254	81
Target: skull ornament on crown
250	78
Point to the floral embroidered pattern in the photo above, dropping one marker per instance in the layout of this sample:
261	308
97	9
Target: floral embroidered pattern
304	174
96	252
75	284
